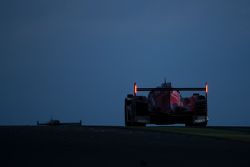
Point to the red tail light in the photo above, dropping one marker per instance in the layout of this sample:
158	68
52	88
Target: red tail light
135	89
206	87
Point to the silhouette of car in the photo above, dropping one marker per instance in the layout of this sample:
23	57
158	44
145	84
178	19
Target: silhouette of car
165	105
54	122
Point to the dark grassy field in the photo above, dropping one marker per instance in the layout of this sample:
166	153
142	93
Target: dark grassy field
119	146
230	133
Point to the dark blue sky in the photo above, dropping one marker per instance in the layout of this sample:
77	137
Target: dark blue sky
76	59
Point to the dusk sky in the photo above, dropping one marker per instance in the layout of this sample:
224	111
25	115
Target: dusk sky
77	59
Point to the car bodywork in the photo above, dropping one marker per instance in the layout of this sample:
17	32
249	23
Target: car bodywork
165	105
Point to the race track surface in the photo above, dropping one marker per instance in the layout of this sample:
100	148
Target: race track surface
118	146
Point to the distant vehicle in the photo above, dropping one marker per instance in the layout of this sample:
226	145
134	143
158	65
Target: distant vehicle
54	122
164	105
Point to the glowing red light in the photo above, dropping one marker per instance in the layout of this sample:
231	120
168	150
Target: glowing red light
135	89
206	88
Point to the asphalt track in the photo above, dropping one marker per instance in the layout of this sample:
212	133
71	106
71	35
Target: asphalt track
119	146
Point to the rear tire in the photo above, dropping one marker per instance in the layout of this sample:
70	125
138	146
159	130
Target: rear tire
126	112
129	114
201	105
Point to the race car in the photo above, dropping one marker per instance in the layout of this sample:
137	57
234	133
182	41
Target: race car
55	122
165	105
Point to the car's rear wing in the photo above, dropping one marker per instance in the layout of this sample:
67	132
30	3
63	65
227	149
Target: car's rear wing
137	89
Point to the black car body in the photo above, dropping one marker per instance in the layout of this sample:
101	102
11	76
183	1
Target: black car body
164	105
